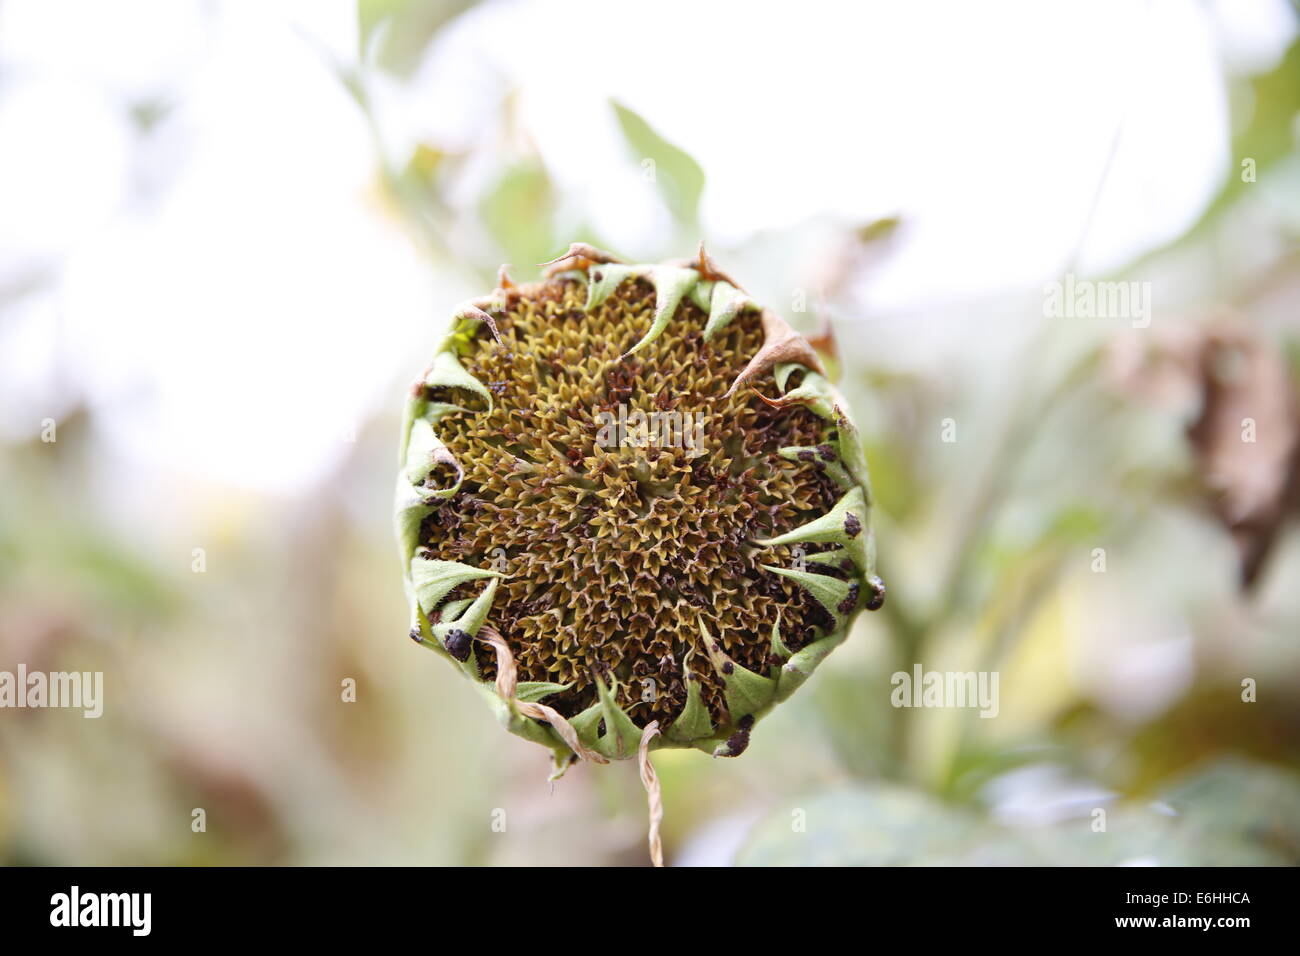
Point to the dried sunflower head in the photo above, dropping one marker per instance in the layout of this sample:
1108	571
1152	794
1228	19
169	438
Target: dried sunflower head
639	487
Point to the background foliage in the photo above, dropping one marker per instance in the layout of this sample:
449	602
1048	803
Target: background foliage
1119	690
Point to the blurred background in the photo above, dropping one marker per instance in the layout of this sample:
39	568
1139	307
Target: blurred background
231	233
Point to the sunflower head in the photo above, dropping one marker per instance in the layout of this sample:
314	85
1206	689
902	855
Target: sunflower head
640	483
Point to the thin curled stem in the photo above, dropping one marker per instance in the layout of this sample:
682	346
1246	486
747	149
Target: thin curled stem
506	684
650	780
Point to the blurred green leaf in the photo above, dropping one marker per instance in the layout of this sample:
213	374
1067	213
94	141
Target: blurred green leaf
1236	801
858	726
1229	813
1274	98
1074	523
881	825
401	30
425	163
878	230
104	567
679	178
1266	138
519	210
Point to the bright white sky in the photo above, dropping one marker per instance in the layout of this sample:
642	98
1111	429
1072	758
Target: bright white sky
236	271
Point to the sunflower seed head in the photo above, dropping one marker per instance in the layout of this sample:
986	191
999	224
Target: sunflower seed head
642	481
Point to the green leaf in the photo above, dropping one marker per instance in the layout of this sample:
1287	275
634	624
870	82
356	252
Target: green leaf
679	178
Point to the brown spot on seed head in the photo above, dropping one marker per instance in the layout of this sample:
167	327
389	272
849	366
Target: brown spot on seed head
737	743
850	600
875	593
458	644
